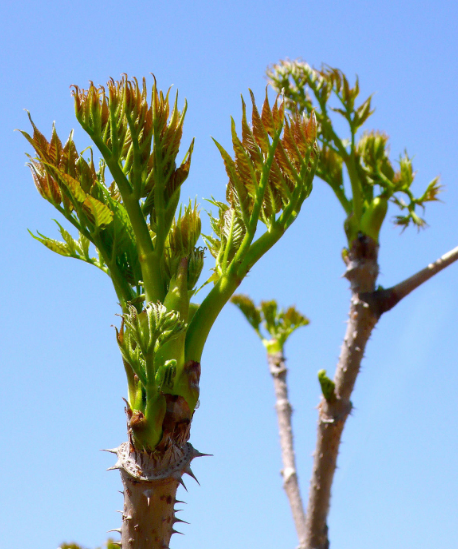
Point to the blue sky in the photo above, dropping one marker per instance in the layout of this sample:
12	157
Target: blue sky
61	379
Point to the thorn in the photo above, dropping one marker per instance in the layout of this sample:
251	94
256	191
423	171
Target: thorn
118	511
178	501
180	480
176	532
117	465
179	520
114	530
197	454
121	492
147	494
188	471
111	450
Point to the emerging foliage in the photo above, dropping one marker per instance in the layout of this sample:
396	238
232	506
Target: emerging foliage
278	323
373	178
127	209
269	178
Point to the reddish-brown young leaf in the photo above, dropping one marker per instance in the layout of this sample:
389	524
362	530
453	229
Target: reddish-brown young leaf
284	163
104	113
290	145
54	147
311	128
259	131
267	118
69	157
278	113
298	130
281	182
45	184
243	165
249	141
85	175
180	174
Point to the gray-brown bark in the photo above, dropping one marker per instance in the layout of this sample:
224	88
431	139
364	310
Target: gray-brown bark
278	371
150	486
362	271
366	307
384	300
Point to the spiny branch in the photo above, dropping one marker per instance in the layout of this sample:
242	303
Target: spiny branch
383	300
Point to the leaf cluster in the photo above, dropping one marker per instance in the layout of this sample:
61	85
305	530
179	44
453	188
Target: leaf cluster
278	323
363	156
270	176
140	339
127	208
129	219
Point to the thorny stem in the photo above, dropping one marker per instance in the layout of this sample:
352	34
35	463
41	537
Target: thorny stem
150	484
278	371
366	308
387	299
362	271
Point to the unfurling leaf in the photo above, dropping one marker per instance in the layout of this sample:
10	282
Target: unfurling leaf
248	309
54	245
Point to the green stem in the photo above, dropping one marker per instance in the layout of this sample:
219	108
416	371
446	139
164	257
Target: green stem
159	203
149	260
355	186
206	315
259	248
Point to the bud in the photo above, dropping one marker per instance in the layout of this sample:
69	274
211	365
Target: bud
327	386
185	231
195	266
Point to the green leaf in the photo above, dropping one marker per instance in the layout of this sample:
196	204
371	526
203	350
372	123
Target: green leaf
248	309
72	185
98	213
54	245
362	113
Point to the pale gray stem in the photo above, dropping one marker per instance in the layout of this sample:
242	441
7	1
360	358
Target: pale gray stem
278	370
148	513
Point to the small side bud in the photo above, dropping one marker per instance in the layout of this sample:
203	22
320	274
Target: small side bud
327	386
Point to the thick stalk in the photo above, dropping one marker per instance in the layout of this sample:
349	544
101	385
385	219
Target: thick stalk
279	371
150	485
362	271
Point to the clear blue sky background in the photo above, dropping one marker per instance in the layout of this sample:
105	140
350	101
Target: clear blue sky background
61	378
